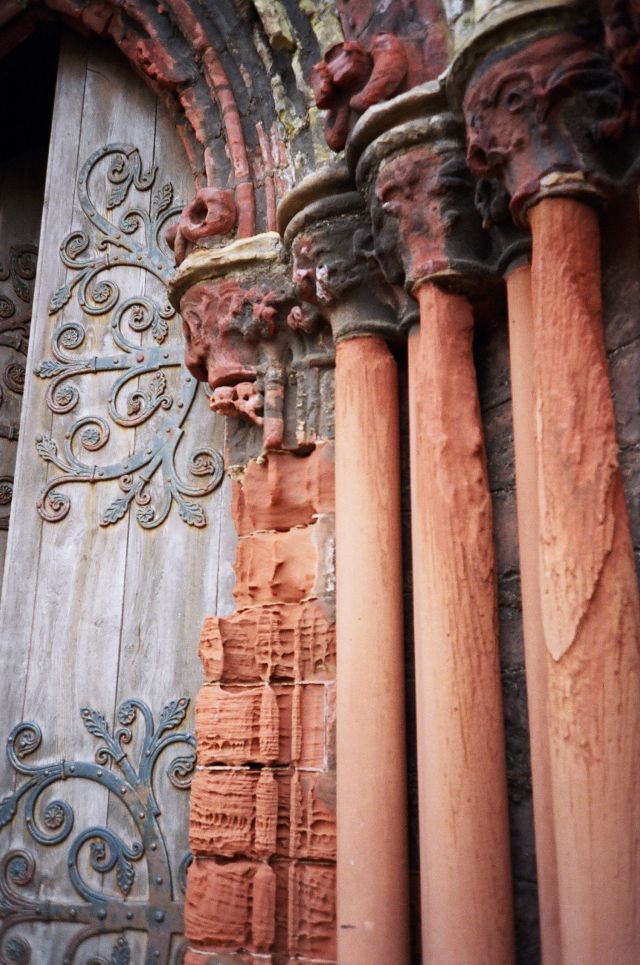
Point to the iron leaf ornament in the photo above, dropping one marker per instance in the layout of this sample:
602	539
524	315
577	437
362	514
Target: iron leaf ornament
139	330
114	908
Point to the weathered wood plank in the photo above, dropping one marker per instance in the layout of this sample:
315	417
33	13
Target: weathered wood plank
94	615
23	547
171	575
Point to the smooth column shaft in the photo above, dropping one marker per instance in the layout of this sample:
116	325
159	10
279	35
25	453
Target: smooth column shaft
464	839
524	431
589	597
372	890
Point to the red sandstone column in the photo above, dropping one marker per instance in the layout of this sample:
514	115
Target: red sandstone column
537	118
409	160
465	868
371	768
522	391
589	595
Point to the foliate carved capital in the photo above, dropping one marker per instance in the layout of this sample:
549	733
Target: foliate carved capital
538	115
263	369
423	207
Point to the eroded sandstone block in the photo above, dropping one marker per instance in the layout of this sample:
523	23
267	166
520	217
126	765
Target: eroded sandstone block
237	725
306	913
263	814
194	956
288	641
234	813
303	724
276	567
282	724
284	491
307	818
231	905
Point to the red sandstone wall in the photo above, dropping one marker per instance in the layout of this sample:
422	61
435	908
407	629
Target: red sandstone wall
263	800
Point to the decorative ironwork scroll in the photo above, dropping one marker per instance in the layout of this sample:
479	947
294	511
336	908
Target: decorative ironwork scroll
160	914
17	274
141	388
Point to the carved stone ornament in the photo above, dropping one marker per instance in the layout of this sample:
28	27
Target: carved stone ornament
622	40
410	164
142	358
212	214
264	366
327	230
351	78
539	114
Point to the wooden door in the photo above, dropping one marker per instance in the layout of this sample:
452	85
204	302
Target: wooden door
119	544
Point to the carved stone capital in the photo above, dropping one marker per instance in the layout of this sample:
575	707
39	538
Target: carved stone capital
409	158
236	302
510	242
326	228
540	111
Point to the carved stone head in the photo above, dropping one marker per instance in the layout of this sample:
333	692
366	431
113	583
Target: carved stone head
330	259
239	340
423	212
539	110
211	213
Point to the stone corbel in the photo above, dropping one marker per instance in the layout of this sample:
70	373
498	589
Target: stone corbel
269	373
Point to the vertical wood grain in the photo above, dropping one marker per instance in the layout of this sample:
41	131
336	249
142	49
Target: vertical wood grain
93	615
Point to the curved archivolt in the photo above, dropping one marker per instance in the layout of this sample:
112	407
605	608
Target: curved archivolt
233	76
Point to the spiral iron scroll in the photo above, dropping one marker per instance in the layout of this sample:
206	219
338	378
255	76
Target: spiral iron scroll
97	912
17	274
141	389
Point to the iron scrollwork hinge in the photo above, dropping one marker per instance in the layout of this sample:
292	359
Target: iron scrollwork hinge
142	389
160	914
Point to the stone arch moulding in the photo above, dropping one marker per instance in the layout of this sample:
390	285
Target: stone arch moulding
237	77
233	77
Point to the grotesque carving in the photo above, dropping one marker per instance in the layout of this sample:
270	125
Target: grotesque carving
334	80
423	208
330	259
261	367
352	78
387	75
336	276
539	113
211	213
